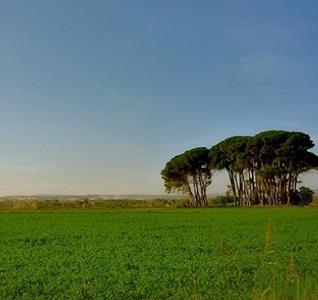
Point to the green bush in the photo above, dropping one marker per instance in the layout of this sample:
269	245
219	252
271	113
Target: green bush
226	200
304	196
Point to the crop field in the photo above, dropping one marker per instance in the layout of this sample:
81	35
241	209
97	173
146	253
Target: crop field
220	253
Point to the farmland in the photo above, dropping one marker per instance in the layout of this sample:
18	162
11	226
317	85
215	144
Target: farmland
229	253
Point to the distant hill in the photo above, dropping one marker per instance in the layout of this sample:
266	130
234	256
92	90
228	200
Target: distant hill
92	197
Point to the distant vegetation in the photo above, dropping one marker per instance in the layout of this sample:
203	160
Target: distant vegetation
262	169
82	202
79	202
305	197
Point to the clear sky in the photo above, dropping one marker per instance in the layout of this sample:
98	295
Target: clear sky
96	96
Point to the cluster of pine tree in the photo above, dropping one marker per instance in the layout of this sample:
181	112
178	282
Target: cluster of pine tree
262	169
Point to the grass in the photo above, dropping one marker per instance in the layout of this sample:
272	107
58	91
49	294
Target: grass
221	253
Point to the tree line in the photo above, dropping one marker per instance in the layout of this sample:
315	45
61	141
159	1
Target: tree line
263	169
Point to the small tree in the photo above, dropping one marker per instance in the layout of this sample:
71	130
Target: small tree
190	174
304	196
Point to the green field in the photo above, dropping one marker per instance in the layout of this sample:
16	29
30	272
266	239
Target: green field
221	253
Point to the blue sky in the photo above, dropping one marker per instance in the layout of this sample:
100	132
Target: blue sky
96	96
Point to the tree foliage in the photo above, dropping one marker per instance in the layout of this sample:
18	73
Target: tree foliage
262	169
190	174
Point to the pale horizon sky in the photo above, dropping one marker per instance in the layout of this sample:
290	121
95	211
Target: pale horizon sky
96	96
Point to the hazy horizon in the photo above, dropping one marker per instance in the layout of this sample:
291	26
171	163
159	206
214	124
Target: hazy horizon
96	98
